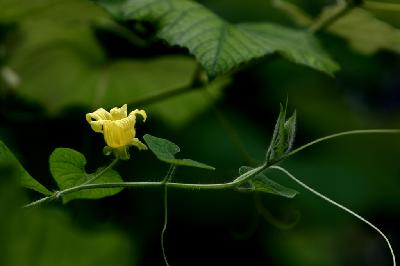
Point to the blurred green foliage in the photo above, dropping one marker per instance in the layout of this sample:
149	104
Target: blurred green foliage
60	59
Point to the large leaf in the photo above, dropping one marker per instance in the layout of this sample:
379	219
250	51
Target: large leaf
263	184
218	45
68	169
7	159
165	151
79	73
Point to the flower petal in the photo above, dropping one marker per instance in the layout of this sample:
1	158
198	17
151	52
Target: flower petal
140	145
140	112
119	113
97	118
99	114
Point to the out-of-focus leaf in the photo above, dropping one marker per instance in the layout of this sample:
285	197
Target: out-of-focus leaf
366	33
218	45
263	184
165	151
7	159
60	64
48	237
67	168
179	110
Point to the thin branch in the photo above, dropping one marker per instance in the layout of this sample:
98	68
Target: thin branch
393	7
339	206
101	172
167	178
346	133
331	14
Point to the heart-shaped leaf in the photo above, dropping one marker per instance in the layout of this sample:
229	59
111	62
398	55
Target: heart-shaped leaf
165	151
68	169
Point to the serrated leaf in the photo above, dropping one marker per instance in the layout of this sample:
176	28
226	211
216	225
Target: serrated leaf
165	151
68	169
218	45
7	159
263	184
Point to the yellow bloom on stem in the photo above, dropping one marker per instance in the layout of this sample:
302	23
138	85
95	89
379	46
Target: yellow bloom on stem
117	126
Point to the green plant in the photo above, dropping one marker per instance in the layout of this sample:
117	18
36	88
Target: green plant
191	56
67	167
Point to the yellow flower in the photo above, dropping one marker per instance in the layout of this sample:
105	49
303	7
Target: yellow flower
117	126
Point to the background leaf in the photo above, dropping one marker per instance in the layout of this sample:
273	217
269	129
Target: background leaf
367	33
218	45
364	32
67	168
82	70
7	159
263	184
165	151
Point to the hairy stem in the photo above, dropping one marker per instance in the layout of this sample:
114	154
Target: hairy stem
339	206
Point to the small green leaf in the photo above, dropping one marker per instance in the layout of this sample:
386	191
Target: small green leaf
68	169
217	44
165	151
283	136
263	184
277	146
290	131
7	159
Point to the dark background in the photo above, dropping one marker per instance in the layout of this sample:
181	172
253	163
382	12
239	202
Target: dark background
204	227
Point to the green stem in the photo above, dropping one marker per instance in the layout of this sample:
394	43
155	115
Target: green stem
352	132
40	201
167	178
339	206
324	21
229	185
393	7
101	172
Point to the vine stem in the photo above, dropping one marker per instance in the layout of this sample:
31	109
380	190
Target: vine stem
339	206
351	132
167	178
393	7
229	185
101	172
341	8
